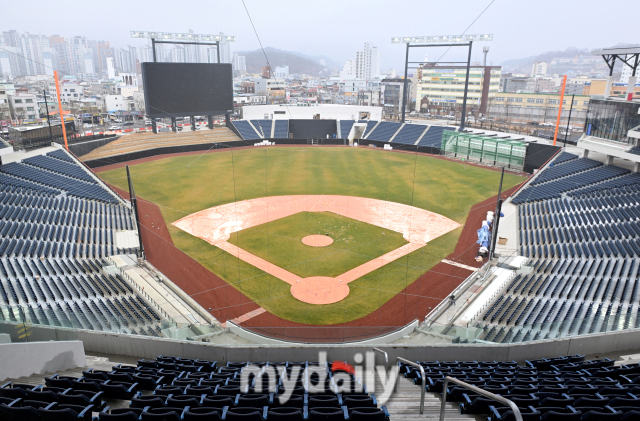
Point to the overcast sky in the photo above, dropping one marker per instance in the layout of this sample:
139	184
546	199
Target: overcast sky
337	28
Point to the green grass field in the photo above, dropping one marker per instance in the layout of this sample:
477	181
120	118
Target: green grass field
280	242
186	184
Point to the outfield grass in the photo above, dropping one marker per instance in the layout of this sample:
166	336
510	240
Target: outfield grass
280	242
187	184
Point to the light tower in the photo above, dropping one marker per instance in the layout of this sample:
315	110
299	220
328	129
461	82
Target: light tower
485	50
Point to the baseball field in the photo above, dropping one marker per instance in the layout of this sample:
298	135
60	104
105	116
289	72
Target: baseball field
183	185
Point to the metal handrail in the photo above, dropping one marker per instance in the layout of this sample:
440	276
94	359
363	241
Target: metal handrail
386	357
424	381
516	412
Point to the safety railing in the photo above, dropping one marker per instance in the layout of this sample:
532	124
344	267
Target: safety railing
516	412
386	357
424	381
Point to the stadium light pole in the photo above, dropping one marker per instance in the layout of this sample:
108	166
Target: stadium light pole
439	41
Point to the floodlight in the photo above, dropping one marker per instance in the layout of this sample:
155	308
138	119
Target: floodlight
184	37
442	38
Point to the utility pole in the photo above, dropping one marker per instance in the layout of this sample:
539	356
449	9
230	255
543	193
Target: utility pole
566	133
46	105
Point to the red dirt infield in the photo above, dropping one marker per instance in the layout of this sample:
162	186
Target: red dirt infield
227	303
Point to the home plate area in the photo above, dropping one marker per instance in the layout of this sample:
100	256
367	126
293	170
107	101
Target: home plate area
417	226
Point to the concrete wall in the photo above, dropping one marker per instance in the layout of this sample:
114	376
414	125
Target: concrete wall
29	358
144	347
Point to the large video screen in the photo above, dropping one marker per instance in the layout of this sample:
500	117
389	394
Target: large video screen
186	89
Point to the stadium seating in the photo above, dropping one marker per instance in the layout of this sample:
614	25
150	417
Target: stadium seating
188	389
565	387
263	127
246	131
582	236
370	125
383	131
433	137
53	241
345	128
281	131
410	133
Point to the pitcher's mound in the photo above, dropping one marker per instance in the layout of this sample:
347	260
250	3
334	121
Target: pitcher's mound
320	290
317	240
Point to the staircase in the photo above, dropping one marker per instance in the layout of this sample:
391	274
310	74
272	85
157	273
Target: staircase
404	404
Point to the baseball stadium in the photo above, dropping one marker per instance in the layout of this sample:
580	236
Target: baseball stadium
505	264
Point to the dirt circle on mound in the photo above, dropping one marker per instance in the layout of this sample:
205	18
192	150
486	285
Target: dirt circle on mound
317	240
320	290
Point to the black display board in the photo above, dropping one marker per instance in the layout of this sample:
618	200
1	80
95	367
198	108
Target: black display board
187	89
312	129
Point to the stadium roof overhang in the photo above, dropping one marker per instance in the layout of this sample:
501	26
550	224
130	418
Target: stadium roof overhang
629	56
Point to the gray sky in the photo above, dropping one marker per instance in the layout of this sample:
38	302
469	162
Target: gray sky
337	28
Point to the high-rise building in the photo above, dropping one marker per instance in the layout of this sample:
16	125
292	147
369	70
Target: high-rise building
239	63
626	74
225	51
367	62
31	56
365	66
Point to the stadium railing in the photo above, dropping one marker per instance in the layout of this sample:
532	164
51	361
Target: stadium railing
516	411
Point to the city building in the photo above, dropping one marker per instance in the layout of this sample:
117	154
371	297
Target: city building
627	71
32	54
281	71
113	103
24	105
440	89
239	63
539	68
519	84
71	92
273	89
527	108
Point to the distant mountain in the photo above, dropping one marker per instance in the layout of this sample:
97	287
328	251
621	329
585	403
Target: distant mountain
297	62
524	64
323	60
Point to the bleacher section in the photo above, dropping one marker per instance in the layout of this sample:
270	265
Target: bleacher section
59	176
384	131
581	233
345	128
246	131
281	130
433	137
410	134
562	388
565	177
370	125
263	127
57	224
174	388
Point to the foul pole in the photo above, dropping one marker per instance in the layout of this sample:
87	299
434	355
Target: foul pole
564	85
64	128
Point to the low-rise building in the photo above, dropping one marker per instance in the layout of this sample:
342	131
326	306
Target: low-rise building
440	89
527	108
24	105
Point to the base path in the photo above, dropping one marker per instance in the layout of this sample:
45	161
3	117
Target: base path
215	225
